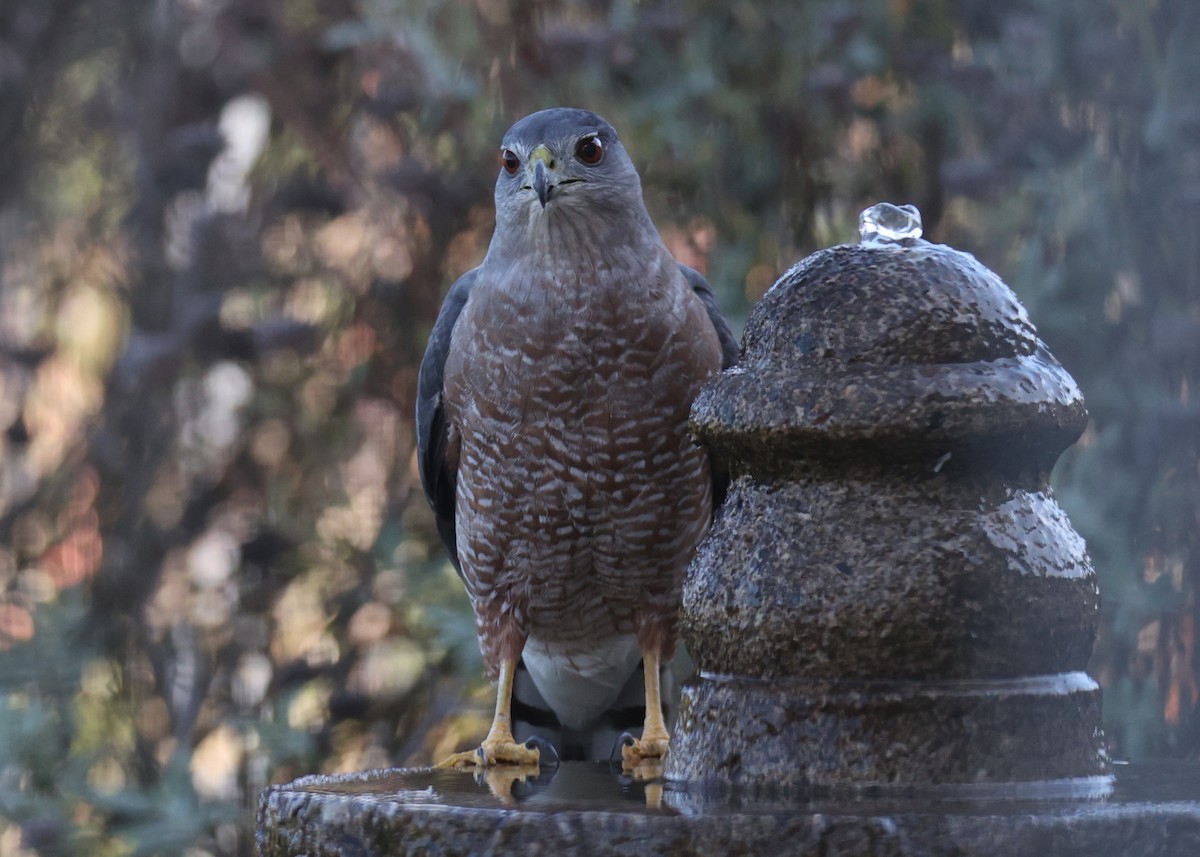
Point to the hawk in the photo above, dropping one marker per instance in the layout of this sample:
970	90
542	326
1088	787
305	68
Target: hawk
552	431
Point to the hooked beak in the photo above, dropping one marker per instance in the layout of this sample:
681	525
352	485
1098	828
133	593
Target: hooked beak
542	161
541	183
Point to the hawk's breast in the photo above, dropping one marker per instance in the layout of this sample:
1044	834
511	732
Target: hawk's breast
579	491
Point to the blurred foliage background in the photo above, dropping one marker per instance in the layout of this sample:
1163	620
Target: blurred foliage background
225	228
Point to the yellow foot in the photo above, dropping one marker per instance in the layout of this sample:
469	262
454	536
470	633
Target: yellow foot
643	758
645	749
491	753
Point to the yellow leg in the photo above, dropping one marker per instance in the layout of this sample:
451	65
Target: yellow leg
499	747
653	745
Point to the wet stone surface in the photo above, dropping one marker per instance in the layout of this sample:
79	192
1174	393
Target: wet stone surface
853	304
888	733
951	578
588	809
1015	414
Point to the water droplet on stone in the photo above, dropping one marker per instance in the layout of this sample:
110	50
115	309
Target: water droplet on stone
886	224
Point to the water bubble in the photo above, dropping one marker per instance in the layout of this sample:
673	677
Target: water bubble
886	224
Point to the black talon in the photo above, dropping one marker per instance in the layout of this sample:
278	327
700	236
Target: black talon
625	739
544	748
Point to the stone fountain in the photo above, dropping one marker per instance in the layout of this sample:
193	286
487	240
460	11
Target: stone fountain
891	617
891	595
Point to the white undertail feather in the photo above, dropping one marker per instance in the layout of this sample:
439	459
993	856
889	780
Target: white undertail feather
581	683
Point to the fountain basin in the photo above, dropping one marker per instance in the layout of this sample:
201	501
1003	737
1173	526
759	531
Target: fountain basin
1146	810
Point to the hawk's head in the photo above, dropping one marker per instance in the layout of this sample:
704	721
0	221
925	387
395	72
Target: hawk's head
563	160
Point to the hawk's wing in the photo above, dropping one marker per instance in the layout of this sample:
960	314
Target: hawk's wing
436	456
729	346
729	356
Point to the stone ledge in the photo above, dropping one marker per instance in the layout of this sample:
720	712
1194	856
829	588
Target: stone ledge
864	734
584	809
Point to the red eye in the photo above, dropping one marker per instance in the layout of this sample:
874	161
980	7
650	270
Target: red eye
589	150
510	161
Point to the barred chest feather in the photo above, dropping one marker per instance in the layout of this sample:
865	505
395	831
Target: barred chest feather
580	496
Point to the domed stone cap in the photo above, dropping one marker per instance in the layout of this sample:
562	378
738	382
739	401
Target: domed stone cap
923	304
914	347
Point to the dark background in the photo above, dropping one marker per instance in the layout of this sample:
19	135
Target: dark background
218	569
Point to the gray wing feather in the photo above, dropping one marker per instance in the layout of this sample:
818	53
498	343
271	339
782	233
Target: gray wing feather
439	474
729	356
729	346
